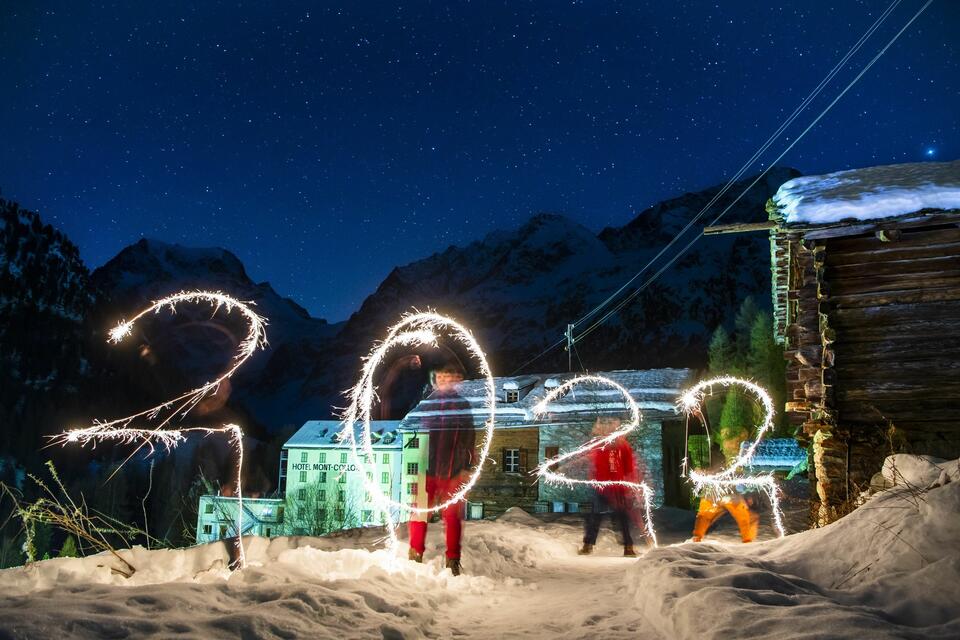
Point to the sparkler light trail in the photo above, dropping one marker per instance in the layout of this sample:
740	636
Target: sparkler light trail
726	481
417	329
125	431
546	469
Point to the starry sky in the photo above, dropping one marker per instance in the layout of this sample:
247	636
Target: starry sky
326	144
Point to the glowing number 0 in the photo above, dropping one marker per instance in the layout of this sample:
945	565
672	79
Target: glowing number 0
691	402
546	468
413	330
125	431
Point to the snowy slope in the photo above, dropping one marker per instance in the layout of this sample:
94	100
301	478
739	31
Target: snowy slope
872	193
889	570
517	290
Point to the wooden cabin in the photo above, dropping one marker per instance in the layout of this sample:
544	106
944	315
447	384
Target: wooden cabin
866	294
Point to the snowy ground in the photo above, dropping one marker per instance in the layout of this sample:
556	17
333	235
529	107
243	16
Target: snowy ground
889	570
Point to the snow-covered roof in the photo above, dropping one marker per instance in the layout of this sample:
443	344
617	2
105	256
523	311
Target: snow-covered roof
323	433
654	390
872	193
775	453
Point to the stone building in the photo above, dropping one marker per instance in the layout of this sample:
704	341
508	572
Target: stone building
521	440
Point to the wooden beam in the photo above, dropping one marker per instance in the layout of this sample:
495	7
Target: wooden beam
739	227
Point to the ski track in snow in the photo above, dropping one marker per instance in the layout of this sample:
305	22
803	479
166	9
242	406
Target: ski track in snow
889	570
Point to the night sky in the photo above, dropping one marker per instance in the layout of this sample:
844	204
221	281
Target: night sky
325	145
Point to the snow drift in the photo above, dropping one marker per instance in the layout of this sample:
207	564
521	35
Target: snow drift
891	569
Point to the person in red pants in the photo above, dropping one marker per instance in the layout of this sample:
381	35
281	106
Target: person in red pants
452	450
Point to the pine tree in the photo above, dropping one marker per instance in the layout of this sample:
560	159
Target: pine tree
736	422
69	548
742	324
721	352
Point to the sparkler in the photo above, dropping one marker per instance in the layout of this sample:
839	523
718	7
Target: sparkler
691	403
125	431
417	329
546	469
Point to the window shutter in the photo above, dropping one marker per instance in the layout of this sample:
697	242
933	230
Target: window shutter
523	460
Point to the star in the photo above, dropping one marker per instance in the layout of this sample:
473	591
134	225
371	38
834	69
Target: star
930	152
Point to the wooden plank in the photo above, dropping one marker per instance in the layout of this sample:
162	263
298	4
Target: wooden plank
891	314
872	250
915	264
893	350
892	283
896	391
739	227
906	296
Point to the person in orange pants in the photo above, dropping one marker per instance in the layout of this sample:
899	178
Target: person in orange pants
736	505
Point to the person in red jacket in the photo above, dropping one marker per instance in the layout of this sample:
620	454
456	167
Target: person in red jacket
613	462
452	451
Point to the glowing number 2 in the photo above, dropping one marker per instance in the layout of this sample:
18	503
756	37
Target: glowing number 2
692	404
546	468
125	430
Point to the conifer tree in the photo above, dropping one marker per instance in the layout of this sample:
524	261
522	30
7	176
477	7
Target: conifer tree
69	548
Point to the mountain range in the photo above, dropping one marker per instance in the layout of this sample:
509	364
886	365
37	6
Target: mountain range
516	289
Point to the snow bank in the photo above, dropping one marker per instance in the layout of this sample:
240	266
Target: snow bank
870	194
890	569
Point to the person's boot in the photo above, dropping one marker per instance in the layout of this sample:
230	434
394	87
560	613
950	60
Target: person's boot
414	555
629	551
585	550
454	565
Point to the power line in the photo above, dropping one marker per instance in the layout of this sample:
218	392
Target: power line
743	169
866	68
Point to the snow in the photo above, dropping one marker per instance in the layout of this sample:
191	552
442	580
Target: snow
891	569
872	193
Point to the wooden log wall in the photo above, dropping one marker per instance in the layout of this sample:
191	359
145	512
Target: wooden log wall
872	339
895	307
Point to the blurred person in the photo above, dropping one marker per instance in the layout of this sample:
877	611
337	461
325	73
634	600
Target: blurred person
613	462
451	455
716	500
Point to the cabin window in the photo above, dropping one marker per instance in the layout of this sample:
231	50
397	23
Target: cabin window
413	468
512	395
511	460
413	443
207	529
208	508
413	488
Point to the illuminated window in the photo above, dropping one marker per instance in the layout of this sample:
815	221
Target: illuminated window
413	468
386	458
385	477
303	457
